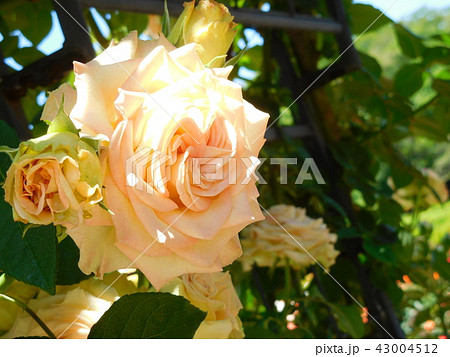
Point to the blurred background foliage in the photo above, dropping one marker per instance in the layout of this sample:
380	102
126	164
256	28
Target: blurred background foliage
386	126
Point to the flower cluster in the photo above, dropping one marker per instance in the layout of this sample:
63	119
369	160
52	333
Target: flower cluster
287	235
148	163
161	120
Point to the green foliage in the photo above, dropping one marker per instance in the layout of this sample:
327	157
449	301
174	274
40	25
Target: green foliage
408	80
68	257
120	24
362	16
349	319
32	19
411	45
27	253
149	315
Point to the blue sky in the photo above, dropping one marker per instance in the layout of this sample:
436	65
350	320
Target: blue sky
404	8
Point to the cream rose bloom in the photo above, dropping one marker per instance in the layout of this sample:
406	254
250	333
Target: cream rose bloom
213	293
55	178
170	122
87	301
266	244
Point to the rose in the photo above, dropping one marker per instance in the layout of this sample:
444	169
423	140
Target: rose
267	244
170	121
55	178
213	293
210	26
9	310
73	310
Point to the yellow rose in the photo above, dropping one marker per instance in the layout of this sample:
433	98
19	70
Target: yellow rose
55	178
210	26
266	244
8	309
172	123
420	195
213	293
87	301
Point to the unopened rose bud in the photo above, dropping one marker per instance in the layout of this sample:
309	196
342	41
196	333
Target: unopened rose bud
209	25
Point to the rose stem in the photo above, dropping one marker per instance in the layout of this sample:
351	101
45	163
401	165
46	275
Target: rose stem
30	312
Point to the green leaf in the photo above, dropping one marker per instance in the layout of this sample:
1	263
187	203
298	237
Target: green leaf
122	23
94	141
390	212
11	152
210	63
349	319
27	55
39	20
8	135
149	315
442	87
435	124
62	123
440	264
165	21
256	332
9	138
381	252
401	174
410	44
348	232
177	30
68	256
28	255
408	80
33	18
437	54
249	58
9	45
370	65
362	16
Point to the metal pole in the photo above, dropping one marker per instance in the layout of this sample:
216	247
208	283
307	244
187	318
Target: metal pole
252	17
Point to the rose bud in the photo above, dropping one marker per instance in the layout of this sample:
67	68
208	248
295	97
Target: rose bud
210	26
